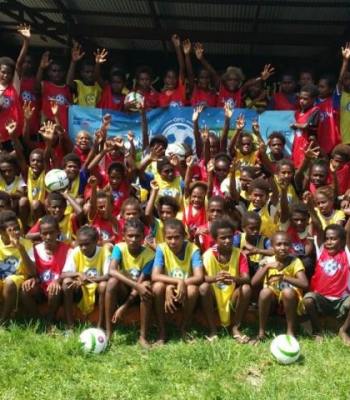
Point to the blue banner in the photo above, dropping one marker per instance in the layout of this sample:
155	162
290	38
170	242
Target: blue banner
175	122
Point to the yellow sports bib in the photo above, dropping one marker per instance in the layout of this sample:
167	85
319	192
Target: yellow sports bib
345	117
268	225
172	189
14	186
223	293
260	245
336	216
36	187
73	192
87	96
132	266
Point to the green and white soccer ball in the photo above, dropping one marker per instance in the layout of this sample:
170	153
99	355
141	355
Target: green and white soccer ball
133	101
93	340
285	349
56	180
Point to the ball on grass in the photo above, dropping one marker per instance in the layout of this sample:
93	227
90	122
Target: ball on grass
285	349
93	340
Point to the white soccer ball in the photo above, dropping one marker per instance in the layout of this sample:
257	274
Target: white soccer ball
93	340
133	101
56	180
285	349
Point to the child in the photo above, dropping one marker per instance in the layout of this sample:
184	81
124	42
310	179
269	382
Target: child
284	279
143	85
329	287
16	262
53	90
256	97
227	277
86	91
276	143
85	274
130	270
259	202
218	170
56	204
306	123
50	257
176	276
167	208
10	107
285	176
339	163
306	77
251	242
324	201
215	210
328	102
174	91
286	98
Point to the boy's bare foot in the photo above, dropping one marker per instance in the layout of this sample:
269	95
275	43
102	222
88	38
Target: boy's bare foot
261	338
187	337
118	315
159	343
239	336
318	337
344	336
144	343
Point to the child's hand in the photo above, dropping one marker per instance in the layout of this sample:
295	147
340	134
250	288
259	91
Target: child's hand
156	152
199	50
11	127
312	151
211	165
106	121
205	134
108	146
119	142
190	161
283	185
346	51
196	111
100	56
45	60
77	53
54	107
228	110
240	122
145	291
24	31
28	284
256	127
28	110
54	288
186	45
92	181
262	148
150	241
14	236
201	231
180	291
171	303
174	160
176	40
267	72
47	130
154	185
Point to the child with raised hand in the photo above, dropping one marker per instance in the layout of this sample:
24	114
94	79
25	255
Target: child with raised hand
284	281
174	90
86	274
10	106
324	199
215	210
328	102
201	90
100	214
176	276
344	87
306	123
286	98
16	262
227	277
218	170
329	286
256	97
167	208
86	91
25	70
50	256
130	270
339	164
230	83
254	245
143	85
53	90
259	192
56	204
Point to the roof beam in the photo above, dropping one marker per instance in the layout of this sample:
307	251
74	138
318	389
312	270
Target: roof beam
156	21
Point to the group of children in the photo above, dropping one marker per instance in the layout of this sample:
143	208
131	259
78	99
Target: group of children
225	226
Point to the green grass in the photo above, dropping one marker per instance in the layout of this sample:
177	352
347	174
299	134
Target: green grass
34	365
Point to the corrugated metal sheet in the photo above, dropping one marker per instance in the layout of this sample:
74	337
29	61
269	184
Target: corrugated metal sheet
110	5
39	3
234	26
116	21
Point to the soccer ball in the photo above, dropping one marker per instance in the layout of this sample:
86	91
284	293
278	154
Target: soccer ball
285	349
56	180
93	340
133	100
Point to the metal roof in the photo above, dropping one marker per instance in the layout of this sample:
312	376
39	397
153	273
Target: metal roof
245	27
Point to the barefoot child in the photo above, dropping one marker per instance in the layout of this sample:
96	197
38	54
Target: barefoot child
129	271
227	278
283	280
16	262
86	274
50	258
176	276
329	287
